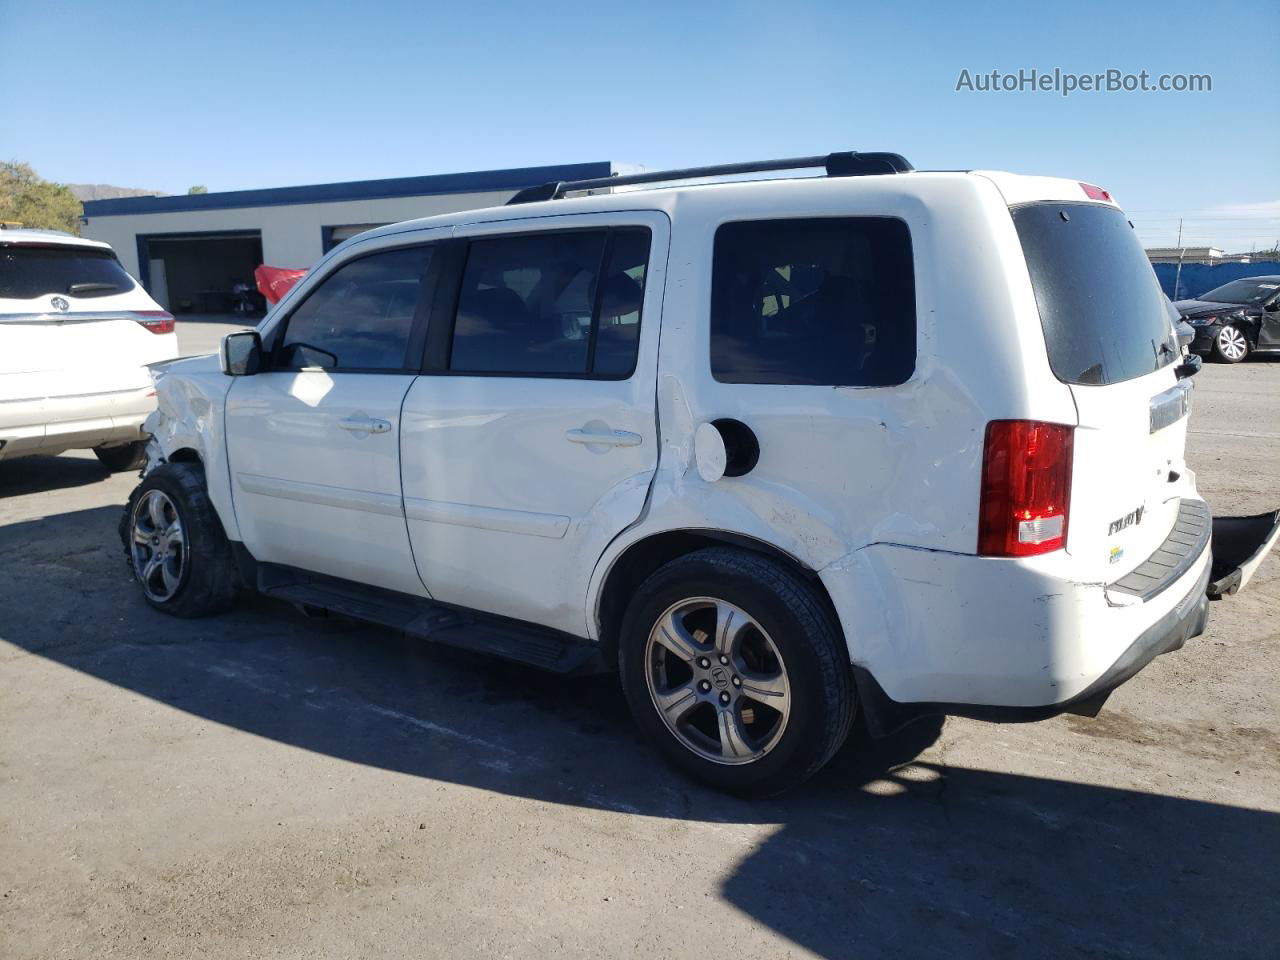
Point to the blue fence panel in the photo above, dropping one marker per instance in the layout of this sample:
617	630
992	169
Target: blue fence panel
1197	278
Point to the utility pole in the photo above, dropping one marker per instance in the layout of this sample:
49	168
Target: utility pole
1177	276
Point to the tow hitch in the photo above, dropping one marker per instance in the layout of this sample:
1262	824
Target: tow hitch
1239	546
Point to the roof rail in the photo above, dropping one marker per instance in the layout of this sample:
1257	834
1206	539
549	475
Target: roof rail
848	164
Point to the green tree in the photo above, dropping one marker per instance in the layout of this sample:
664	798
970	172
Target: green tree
27	199
198	188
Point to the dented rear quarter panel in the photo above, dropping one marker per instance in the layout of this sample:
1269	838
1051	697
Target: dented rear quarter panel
844	468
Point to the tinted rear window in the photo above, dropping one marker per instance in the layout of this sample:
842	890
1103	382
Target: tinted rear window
29	272
1102	311
826	301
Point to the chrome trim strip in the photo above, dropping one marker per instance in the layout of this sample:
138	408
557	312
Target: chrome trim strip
85	316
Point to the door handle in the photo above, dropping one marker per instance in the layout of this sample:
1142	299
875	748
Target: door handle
365	425
608	438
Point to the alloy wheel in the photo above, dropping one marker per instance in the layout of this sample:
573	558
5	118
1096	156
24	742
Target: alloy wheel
718	680
1232	343
158	545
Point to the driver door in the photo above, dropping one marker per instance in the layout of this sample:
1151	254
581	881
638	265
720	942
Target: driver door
313	440
1269	326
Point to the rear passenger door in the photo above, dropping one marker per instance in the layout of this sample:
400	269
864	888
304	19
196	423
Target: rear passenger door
531	438
313	440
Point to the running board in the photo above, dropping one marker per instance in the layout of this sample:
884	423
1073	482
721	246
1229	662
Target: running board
535	646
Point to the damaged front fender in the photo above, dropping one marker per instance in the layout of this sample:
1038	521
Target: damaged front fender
188	425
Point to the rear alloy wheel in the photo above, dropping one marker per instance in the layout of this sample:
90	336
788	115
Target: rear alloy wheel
717	680
1230	345
122	457
734	666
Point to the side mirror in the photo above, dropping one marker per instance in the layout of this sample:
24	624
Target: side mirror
241	353
1189	366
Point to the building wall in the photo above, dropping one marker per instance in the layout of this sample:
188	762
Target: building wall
291	233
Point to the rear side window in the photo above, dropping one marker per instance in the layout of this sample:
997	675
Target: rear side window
550	304
27	272
360	317
1101	308
827	301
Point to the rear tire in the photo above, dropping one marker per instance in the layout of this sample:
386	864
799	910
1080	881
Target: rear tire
778	705
175	546
123	457
1230	345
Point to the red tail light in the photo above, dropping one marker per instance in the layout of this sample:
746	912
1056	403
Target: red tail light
1026	487
157	321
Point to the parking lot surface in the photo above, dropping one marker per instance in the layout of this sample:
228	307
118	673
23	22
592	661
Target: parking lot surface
262	784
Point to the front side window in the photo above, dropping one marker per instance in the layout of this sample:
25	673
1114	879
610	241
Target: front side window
361	315
546	304
827	301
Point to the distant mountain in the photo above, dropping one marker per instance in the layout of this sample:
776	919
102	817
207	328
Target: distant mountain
103	191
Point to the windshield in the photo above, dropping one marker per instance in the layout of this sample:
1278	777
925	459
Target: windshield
1242	291
1101	307
27	272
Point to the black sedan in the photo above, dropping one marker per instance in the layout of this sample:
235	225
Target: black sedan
1235	319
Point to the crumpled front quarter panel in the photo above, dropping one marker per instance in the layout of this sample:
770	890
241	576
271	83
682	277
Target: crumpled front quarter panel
190	415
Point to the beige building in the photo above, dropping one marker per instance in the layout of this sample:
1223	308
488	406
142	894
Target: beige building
189	251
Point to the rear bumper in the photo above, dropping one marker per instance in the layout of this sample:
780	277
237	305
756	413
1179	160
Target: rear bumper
1239	546
1018	638
50	425
1186	620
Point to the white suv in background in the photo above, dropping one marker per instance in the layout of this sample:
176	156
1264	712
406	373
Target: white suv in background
76	336
783	452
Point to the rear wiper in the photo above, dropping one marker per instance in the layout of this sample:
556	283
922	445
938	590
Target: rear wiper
91	287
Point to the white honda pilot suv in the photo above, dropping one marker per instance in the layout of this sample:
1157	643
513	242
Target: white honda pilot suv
878	442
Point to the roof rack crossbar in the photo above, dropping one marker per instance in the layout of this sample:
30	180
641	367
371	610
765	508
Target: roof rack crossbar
848	164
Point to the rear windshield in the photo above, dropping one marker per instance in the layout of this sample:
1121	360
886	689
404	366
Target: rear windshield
1100	305
29	272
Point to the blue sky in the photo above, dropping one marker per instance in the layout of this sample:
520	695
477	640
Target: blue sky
234	94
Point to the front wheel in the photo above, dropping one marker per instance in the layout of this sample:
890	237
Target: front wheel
733	666
175	545
1230	345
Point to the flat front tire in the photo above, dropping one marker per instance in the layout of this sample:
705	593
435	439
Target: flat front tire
734	667
175	546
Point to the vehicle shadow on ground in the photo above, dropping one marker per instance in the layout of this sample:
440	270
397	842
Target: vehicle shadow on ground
877	856
43	474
